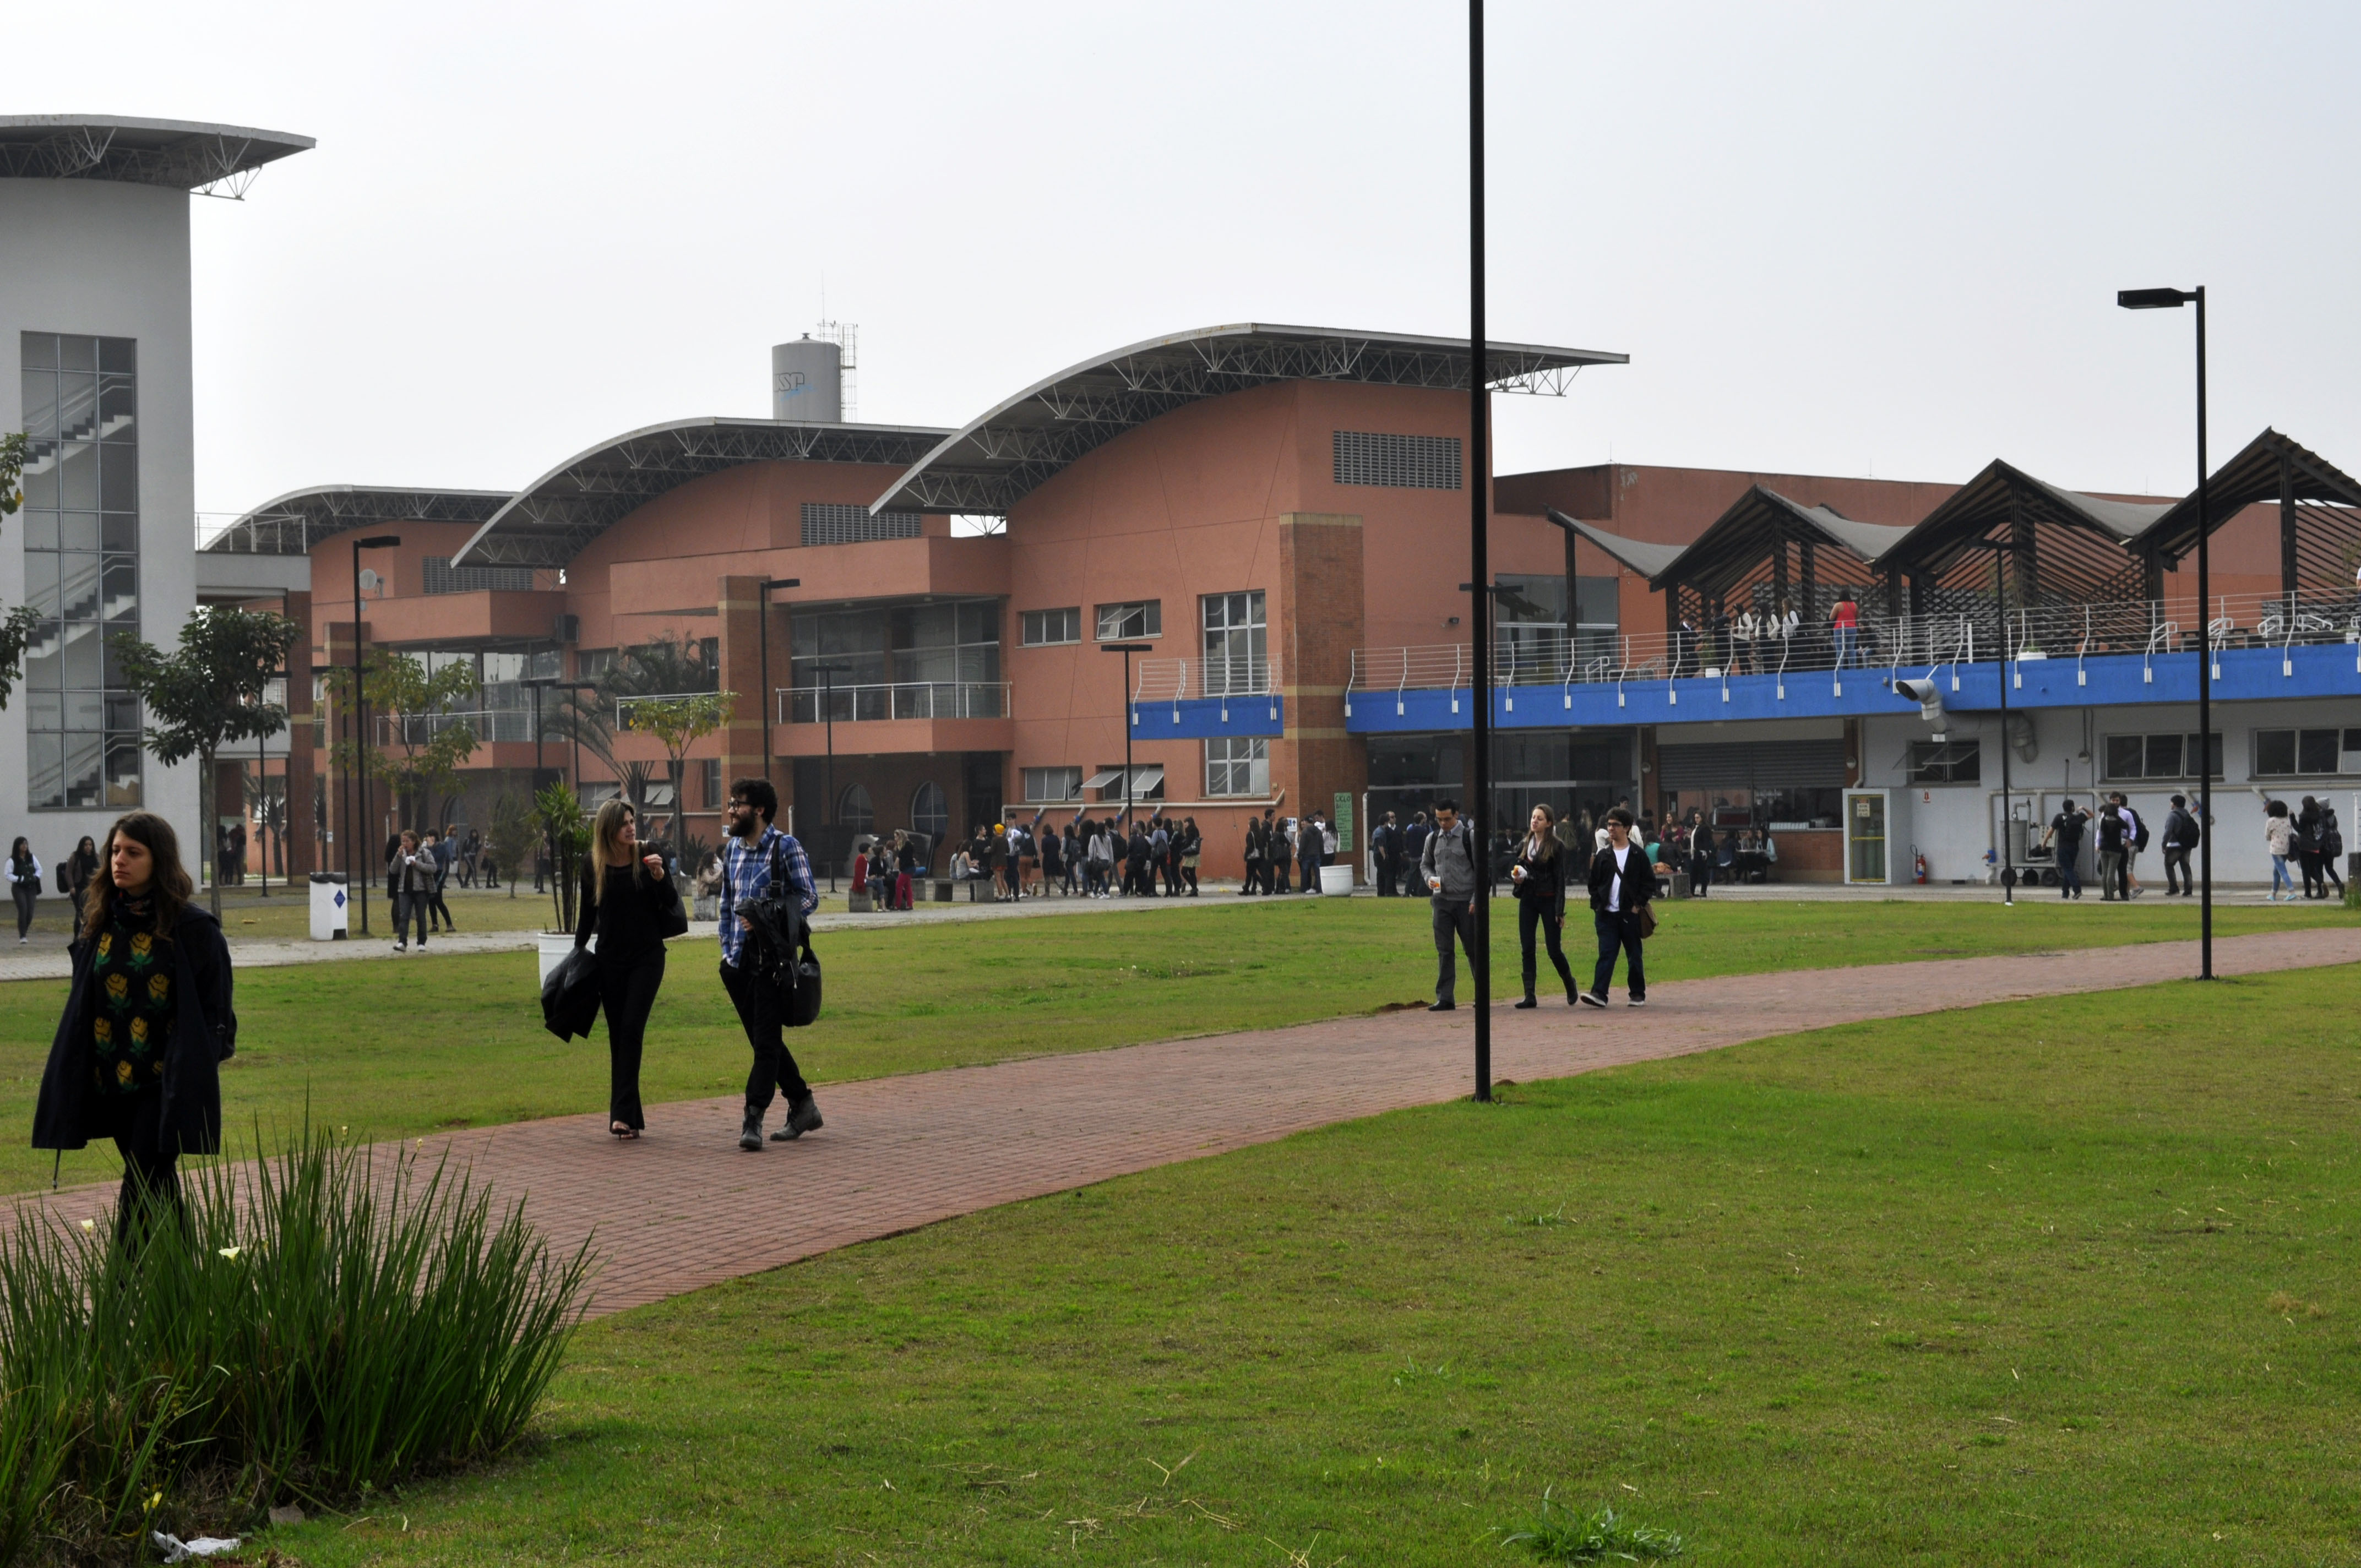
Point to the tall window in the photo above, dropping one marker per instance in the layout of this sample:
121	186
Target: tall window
81	569
2164	756
2289	753
930	810
1240	766
1142	618
853	809
1236	650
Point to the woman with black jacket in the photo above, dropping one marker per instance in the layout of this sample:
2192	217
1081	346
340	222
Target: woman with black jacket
1539	875
1622	883
147	1021
626	899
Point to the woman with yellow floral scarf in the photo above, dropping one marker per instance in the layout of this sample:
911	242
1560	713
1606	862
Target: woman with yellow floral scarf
147	1025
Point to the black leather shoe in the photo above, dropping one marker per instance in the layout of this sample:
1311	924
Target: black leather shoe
749	1135
1441	1007
1528	1002
803	1117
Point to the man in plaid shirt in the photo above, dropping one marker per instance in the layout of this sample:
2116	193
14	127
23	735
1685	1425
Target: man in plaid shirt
754	847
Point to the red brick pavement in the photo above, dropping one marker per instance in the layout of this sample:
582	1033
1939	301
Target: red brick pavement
684	1208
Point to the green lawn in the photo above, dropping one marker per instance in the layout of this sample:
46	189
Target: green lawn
2065	1281
397	1048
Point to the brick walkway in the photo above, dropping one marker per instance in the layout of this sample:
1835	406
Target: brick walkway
685	1208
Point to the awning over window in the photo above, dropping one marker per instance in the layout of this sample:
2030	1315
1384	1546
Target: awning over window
1106	780
1146	782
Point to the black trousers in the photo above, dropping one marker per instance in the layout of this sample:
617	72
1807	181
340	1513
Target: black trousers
1542	912
409	907
2315	884
2177	877
1617	934
1700	874
775	1066
628	996
25	895
435	907
1454	918
150	1174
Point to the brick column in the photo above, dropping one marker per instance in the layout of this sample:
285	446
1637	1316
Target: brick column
740	601
1317	626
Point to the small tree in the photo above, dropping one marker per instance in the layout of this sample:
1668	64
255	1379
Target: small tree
428	743
567	833
208	693
16	627
679	723
516	833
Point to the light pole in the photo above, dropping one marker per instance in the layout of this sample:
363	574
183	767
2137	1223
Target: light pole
2172	300
548	837
1126	650
1478	470
2001	549
827	673
360	722
762	637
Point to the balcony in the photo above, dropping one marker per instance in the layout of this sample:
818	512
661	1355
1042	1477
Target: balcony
2061	654
1206	699
895	716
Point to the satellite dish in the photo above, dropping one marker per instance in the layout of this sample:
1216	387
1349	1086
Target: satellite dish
369	580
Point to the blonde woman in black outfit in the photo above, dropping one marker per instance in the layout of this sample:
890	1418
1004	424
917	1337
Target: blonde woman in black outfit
625	897
1539	875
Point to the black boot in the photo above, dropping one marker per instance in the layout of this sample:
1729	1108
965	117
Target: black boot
1528	1002
750	1135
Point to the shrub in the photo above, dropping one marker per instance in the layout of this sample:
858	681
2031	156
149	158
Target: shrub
322	1322
1562	1535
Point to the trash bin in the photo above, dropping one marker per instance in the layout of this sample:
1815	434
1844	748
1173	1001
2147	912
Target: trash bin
1336	882
328	907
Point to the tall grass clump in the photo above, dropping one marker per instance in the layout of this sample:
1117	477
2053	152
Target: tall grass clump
1568	1535
322	1322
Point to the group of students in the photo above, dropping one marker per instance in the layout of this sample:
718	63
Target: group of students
1275	843
2311	838
1620	878
887	869
1086	858
1753	640
2121	837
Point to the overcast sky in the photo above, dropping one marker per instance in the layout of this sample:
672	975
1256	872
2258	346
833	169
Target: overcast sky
1833	238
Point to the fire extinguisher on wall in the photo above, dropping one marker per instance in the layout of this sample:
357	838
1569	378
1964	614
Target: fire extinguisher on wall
1921	860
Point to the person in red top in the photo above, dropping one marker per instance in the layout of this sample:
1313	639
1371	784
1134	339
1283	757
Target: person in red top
1847	621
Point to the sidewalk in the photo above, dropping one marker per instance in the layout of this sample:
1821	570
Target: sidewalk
684	1208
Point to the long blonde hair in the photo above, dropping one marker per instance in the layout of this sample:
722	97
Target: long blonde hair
1544	843
603	829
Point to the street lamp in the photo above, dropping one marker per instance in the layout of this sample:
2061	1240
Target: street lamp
827	673
762	635
2001	549
1126	650
548	835
1479	501
360	723
2172	300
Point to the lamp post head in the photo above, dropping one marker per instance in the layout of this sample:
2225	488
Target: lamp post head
1127	647
378	541
2153	299
769	583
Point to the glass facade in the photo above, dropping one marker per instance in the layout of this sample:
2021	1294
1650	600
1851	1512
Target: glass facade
81	569
916	660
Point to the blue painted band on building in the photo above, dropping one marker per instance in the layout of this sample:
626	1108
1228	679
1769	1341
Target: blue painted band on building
2245	674
1210	718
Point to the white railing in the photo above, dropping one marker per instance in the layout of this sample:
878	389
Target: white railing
1880	643
623	705
892	699
1176	680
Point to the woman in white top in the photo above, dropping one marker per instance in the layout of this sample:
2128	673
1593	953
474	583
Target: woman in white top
1743	633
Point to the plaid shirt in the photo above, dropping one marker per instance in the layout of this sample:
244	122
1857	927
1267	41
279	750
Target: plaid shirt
746	873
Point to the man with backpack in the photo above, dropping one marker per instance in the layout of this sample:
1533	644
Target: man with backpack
2065	837
1447	866
2181	835
2135	840
758	852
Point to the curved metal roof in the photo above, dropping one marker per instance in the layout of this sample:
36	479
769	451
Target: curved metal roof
995	461
290	524
549	521
1735	544
178	155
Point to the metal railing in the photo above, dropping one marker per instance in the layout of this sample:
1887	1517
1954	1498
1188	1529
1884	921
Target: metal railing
623	705
420	728
1176	680
2140	628
892	699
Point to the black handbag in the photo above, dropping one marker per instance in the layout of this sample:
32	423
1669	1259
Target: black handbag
673	921
802	1009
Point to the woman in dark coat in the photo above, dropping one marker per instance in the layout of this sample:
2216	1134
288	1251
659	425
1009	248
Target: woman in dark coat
147	1021
1539	875
626	898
